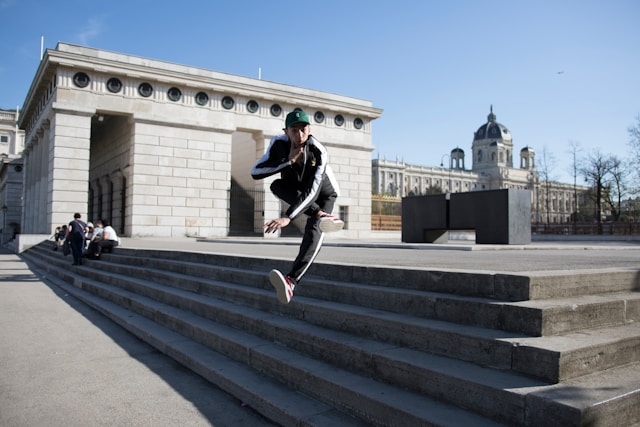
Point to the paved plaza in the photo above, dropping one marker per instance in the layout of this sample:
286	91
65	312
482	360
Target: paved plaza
66	364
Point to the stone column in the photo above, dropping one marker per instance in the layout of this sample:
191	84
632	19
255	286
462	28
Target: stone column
117	197
36	202
270	207
26	217
44	215
69	157
106	198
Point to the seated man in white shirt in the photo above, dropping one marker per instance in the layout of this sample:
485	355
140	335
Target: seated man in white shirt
106	242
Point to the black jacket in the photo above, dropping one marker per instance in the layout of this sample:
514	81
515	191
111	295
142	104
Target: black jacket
307	179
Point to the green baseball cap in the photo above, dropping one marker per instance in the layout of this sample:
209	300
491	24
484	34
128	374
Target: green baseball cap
297	116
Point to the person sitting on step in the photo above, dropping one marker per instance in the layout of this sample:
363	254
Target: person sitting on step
105	243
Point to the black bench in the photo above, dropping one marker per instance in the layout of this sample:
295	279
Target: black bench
497	216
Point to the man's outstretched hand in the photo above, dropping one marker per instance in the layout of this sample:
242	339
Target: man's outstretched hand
276	224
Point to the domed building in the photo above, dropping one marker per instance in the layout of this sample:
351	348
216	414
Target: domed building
491	169
492	149
492	145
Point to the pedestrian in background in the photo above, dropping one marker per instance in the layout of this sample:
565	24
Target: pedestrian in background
76	236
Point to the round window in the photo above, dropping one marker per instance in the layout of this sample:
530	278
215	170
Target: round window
81	79
358	123
318	116
202	98
275	110
114	85
174	94
252	106
339	120
228	103
145	89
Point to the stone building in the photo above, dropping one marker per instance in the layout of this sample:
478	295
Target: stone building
11	174
492	168
158	148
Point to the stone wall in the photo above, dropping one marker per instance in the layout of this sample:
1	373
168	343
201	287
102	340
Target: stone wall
152	147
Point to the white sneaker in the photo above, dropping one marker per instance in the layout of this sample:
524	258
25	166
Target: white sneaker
283	285
330	223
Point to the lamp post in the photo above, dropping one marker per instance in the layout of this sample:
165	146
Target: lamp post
442	165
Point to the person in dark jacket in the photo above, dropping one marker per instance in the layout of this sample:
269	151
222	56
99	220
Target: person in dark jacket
308	186
76	231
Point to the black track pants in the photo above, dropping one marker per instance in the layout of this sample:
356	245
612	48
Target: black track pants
313	237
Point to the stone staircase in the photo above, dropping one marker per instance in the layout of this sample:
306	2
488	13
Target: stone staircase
380	346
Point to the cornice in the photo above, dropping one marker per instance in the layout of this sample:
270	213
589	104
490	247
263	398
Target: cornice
116	64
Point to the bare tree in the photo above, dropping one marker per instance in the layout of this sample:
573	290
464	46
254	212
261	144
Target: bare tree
616	184
634	143
574	150
546	165
595	169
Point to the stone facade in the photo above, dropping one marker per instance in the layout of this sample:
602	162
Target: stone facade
154	147
11	138
11	174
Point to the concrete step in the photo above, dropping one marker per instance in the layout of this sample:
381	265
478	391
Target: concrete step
500	286
436	360
374	402
570	314
457	382
606	398
479	345
264	394
536	318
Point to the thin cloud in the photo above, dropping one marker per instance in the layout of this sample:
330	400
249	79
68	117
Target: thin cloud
91	30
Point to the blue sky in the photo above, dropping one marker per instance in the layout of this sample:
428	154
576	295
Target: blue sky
556	72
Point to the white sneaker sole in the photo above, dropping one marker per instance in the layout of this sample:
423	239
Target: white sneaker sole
328	225
280	284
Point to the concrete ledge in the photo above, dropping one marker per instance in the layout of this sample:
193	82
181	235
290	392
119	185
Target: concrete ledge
25	241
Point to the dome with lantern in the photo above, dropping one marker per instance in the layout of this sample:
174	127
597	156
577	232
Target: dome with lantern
492	129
